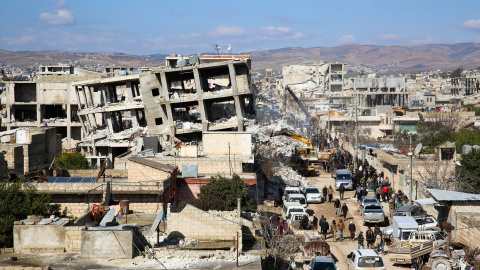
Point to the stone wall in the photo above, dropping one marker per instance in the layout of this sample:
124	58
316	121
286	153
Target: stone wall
74	238
140	173
93	173
107	244
209	165
218	143
466	219
195	223
14	157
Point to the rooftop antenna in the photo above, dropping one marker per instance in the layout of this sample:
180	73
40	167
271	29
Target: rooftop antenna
229	49
217	49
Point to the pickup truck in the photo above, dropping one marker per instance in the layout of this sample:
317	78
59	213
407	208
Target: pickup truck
418	244
373	213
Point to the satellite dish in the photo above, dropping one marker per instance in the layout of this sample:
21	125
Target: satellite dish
418	149
181	62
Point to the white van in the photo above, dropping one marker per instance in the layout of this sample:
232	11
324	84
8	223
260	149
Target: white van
290	207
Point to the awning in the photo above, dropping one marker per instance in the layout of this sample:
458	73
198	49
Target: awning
425	201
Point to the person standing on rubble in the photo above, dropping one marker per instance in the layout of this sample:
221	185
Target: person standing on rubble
324	192
330	193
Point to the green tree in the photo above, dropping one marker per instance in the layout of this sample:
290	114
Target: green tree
72	161
222	194
466	137
17	201
469	171
456	73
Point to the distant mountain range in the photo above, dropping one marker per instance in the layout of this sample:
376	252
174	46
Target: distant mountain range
371	58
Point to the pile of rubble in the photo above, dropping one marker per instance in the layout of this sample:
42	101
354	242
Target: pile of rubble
278	147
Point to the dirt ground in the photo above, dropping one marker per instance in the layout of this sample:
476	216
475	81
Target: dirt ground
340	249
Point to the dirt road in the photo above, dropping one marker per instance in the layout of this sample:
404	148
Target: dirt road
340	249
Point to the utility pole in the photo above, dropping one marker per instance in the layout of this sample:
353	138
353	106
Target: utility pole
411	170
356	134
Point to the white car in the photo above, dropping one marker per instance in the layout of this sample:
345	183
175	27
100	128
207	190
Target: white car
365	259
297	198
290	190
312	194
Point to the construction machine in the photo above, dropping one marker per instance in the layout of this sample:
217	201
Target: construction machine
292	134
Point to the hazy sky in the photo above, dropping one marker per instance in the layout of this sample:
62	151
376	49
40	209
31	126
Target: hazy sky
188	27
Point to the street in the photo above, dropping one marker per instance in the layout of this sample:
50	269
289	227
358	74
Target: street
340	249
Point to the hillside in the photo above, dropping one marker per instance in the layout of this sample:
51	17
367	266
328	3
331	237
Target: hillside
358	57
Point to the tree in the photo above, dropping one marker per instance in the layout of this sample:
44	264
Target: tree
469	170
456	73
72	161
467	137
17	201
222	194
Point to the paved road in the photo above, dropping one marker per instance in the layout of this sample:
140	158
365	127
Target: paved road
340	249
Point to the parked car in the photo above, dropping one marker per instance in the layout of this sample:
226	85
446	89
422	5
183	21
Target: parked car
312	194
366	200
373	213
365	259
322	263
409	210
290	190
291	207
427	223
297	198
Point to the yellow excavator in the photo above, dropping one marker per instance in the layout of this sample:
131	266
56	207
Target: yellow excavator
301	160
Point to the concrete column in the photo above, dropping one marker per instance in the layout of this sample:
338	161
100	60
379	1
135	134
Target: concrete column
169	113
109	121
238	111
134	117
39	114
85	96
164	86
233	78
198	83
130	94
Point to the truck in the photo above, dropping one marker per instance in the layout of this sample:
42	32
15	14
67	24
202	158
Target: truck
419	244
373	213
402	227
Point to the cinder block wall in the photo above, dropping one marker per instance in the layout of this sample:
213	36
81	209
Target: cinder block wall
14	157
74	236
107	244
467	222
39	239
93	173
195	223
141	173
210	165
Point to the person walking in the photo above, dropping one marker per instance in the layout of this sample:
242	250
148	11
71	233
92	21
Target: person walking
337	206
352	228
344	211
357	193
341	189
333	230
315	221
385	193
370	237
379	242
360	240
378	192
376	230
341	228
324	192
324	226
330	193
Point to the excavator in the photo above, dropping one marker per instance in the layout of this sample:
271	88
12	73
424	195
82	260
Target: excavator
302	158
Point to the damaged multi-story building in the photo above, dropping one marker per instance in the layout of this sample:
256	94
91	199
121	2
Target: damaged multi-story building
160	108
380	91
46	101
320	77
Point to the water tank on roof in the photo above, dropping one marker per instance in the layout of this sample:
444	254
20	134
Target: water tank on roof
466	149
